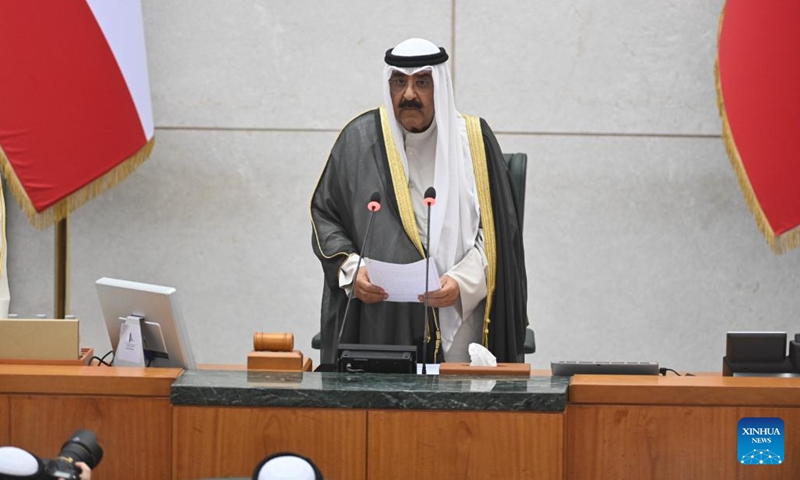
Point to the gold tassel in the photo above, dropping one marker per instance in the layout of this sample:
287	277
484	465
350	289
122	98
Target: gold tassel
2	224
779	243
60	210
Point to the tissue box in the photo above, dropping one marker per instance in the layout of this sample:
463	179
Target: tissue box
523	369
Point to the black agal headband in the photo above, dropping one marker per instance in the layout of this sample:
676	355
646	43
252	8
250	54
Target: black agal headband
416	61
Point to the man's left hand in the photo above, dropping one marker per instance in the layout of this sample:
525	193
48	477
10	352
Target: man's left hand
446	296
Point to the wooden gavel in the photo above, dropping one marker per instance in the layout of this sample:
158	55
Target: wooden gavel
273	342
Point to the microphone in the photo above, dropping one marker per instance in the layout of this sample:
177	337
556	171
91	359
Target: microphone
373	206
430	197
429	200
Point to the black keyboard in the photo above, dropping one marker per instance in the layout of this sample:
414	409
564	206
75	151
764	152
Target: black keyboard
567	369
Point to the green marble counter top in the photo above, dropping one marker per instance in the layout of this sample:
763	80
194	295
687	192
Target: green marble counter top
370	391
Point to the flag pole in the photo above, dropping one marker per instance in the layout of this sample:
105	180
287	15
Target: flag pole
62	267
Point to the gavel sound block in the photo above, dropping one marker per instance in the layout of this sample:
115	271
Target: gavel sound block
274	352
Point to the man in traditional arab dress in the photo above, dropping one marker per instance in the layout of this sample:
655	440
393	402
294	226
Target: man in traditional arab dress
417	140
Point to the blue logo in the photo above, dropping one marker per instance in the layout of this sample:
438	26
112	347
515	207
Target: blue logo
761	441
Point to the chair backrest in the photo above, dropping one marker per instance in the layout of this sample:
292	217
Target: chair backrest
517	164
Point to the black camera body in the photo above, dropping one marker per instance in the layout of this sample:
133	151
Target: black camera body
81	447
61	468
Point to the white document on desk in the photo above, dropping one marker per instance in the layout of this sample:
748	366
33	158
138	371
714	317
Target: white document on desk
403	282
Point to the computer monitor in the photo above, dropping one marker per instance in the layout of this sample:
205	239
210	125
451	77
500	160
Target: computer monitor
166	342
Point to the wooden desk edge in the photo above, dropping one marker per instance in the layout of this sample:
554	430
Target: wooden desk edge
674	390
73	380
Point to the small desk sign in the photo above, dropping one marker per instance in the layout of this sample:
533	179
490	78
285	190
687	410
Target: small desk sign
130	352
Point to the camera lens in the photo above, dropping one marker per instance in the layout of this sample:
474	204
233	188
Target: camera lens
83	447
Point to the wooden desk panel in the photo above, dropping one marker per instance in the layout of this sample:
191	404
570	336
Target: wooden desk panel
135	432
675	390
230	441
465	444
5	415
618	442
69	380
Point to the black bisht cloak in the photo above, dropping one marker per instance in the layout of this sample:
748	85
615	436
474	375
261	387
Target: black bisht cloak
357	167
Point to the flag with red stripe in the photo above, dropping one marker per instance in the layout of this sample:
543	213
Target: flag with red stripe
75	111
758	64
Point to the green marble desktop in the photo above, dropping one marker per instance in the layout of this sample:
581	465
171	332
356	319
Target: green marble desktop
370	391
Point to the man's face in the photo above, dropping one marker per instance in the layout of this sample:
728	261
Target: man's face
412	98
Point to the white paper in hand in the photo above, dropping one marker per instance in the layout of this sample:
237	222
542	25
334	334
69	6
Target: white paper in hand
403	282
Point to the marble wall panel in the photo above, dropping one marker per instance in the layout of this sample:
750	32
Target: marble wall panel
284	65
583	66
31	263
642	249
221	216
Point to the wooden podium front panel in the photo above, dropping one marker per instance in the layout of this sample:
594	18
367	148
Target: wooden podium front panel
231	441
5	415
465	444
134	432
618	442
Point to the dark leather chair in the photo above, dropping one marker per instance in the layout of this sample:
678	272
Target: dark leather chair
517	167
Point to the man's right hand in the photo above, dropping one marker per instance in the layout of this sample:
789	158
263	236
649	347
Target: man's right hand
366	291
86	472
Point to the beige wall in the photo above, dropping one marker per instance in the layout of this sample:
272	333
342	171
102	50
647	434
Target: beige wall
639	244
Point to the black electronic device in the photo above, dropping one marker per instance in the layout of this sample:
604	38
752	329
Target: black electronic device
760	353
761	347
82	446
355	358
569	368
794	352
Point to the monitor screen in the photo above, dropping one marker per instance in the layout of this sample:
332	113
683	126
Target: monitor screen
166	342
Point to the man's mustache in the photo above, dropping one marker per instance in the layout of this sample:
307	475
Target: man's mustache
413	103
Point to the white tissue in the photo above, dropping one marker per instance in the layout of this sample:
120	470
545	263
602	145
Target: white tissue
480	356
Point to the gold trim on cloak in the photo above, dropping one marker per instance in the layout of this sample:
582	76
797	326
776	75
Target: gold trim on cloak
780	243
400	184
77	199
314	224
481	170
